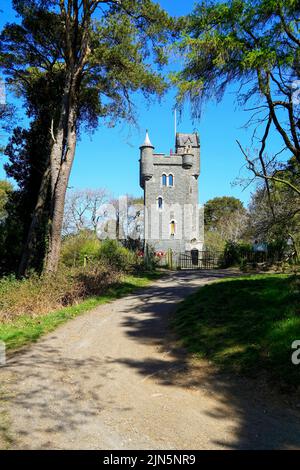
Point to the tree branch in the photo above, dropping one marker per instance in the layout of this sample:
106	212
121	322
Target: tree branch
251	167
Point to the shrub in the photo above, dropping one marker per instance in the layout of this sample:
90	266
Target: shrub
86	245
236	254
214	241
152	258
76	247
39	295
96	278
117	256
232	255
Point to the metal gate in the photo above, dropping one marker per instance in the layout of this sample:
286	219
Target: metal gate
199	260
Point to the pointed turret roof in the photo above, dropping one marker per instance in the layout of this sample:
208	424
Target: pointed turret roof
147	142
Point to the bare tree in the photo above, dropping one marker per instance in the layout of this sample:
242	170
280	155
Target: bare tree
129	215
278	222
81	209
233	228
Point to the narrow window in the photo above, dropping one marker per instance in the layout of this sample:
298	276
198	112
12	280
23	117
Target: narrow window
164	180
171	180
160	202
172	228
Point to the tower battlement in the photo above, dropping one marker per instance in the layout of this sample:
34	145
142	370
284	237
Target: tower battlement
170	184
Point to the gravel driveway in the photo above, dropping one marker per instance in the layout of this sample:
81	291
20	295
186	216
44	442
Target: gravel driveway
113	379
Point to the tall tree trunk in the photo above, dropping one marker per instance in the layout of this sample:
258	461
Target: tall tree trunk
54	244
64	140
62	157
48	184
29	249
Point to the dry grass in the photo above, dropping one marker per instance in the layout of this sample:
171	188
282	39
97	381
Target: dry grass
39	295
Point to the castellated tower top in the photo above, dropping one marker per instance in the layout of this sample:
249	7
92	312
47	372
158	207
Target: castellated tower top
170	187
184	141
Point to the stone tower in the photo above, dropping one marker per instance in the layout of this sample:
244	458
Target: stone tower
171	195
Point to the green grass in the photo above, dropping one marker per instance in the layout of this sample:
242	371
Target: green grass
245	324
26	329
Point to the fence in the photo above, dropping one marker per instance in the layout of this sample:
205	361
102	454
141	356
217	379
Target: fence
200	260
192	260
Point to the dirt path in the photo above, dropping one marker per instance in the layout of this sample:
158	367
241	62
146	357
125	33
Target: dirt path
107	380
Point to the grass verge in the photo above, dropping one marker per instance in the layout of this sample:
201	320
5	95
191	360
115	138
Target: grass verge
26	329
246	325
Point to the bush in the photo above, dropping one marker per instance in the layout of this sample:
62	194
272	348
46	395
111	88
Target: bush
76	247
214	241
74	281
117	256
232	255
86	246
236	254
37	295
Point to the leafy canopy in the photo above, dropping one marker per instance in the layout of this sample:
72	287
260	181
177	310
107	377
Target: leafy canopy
126	51
256	45
220	208
235	40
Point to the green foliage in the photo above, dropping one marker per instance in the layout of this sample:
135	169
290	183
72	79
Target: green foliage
5	189
121	37
152	259
75	248
7	120
230	41
246	325
117	256
214	241
85	248
220	208
235	253
23	328
226	220
232	255
75	63
254	46
26	164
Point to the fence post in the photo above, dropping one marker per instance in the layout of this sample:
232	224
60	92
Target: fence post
170	258
147	257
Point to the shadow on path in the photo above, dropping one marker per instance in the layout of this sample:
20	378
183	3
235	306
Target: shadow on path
263	421
58	393
59	387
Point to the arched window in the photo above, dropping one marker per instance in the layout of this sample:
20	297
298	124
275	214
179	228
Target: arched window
160	202
164	180
172	228
171	180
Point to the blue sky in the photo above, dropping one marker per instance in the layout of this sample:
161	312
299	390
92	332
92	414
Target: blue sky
109	158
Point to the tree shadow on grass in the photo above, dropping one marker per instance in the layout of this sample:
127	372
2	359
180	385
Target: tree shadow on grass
260	418
61	394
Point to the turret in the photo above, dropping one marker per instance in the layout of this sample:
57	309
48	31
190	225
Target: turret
146	161
188	145
188	158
